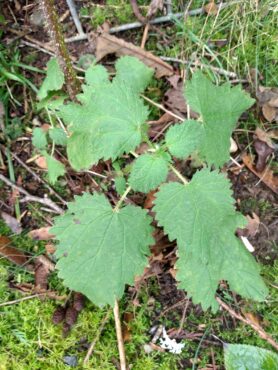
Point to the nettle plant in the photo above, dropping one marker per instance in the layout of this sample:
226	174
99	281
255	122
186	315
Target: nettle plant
101	247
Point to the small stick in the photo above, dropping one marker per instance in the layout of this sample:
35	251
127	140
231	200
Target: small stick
197	64
9	303
75	17
100	330
145	35
162	108
119	333
31	198
254	326
52	191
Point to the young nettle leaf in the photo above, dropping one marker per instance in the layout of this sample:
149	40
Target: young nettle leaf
202	218
39	139
96	75
55	168
183	139
58	135
120	184
110	123
243	356
149	171
100	249
54	79
220	107
133	73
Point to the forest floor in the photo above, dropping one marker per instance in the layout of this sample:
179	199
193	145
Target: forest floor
238	43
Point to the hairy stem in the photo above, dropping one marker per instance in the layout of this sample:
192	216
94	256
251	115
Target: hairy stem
55	33
118	205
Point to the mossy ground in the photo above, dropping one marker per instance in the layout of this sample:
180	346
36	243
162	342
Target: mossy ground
28	339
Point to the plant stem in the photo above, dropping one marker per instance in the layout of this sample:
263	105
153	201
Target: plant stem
55	33
121	347
118	205
179	175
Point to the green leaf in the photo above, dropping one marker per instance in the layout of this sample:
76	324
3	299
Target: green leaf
183	139
202	218
39	138
96	75
54	168
133	73
149	171
111	122
220	108
54	79
246	357
58	135
120	184
101	250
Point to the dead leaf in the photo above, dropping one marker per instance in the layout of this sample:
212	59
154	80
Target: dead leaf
263	151
174	99
268	100
264	136
154	6
253	224
41	234
41	162
267	176
12	222
108	44
50	248
269	112
211	8
13	254
43	267
126	329
148	204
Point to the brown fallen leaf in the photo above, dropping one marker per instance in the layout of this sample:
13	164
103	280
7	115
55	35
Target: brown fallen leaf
108	44
148	204
267	176
251	228
263	151
253	318
126	329
50	248
154	6
211	8
268	100
41	162
174	99
12	222
13	254
41	234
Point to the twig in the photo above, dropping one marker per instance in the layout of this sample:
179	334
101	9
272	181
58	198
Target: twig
162	108
197	64
31	198
137	12
47	294
75	17
52	191
145	35
179	175
100	330
119	335
254	326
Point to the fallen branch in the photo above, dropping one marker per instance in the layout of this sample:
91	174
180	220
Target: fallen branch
167	18
100	330
254	326
31	198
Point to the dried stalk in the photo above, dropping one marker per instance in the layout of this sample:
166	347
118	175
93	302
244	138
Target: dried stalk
119	333
55	33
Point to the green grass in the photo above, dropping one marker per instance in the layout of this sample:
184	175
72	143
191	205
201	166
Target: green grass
29	340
